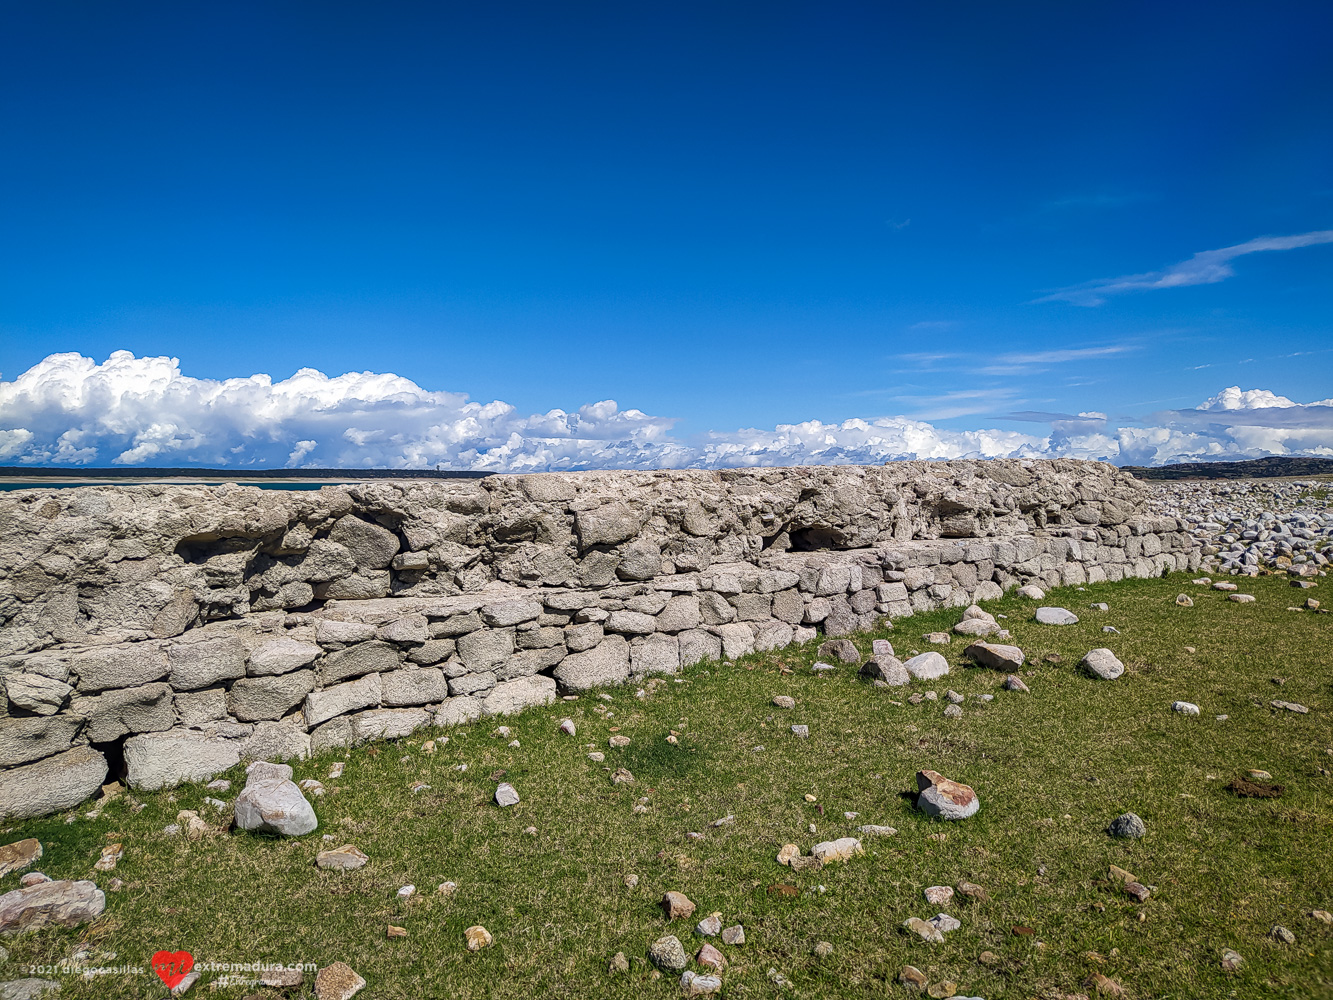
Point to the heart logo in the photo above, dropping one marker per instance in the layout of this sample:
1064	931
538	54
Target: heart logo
172	966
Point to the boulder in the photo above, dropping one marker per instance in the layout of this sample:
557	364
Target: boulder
1102	663
840	649
164	760
271	802
19	855
943	798
52	784
1056	616
927	666
887	668
997	657
50	904
837	850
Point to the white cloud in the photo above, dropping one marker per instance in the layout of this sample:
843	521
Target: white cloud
70	410
1205	268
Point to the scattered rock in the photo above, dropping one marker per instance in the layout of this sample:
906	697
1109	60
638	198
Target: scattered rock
1241	598
1184	600
886	669
1280	933
447	889
1321	915
1290	706
912	977
1127	825
619	741
1102	663
944	990
927	666
877	831
823	949
709	926
937	638
945	923
693	984
1056	616
974	891
938	895
1015	683
839	649
1032	593
995	656
18	855
788	852
505	795
396	932
1137	891
1185	707
50	904
807	863
802	731
1225	586
944	798
619	963
710	958
923	929
622	776
567	727
271	802
735	935
1231	960
597	757
477	937
29	989
953	712
837	850
784	701
677	906
1104	986
668	953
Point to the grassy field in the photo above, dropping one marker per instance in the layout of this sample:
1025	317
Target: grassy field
1052	769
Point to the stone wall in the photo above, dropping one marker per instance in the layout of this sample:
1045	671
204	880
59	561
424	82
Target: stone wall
177	630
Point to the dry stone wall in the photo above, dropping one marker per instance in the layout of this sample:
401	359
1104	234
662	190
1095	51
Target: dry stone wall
178	630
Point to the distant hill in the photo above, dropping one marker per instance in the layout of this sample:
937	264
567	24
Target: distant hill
27	472
1254	468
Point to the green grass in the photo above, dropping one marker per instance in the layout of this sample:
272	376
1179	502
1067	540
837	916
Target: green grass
1052	769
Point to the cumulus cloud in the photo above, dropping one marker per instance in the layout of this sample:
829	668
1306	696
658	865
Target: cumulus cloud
1205	268
70	410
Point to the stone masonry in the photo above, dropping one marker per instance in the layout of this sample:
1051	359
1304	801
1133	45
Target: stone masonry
192	627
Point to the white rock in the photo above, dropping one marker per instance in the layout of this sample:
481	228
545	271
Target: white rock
927	666
1185	707
505	795
1056	616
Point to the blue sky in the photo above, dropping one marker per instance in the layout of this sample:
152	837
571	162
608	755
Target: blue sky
723	216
